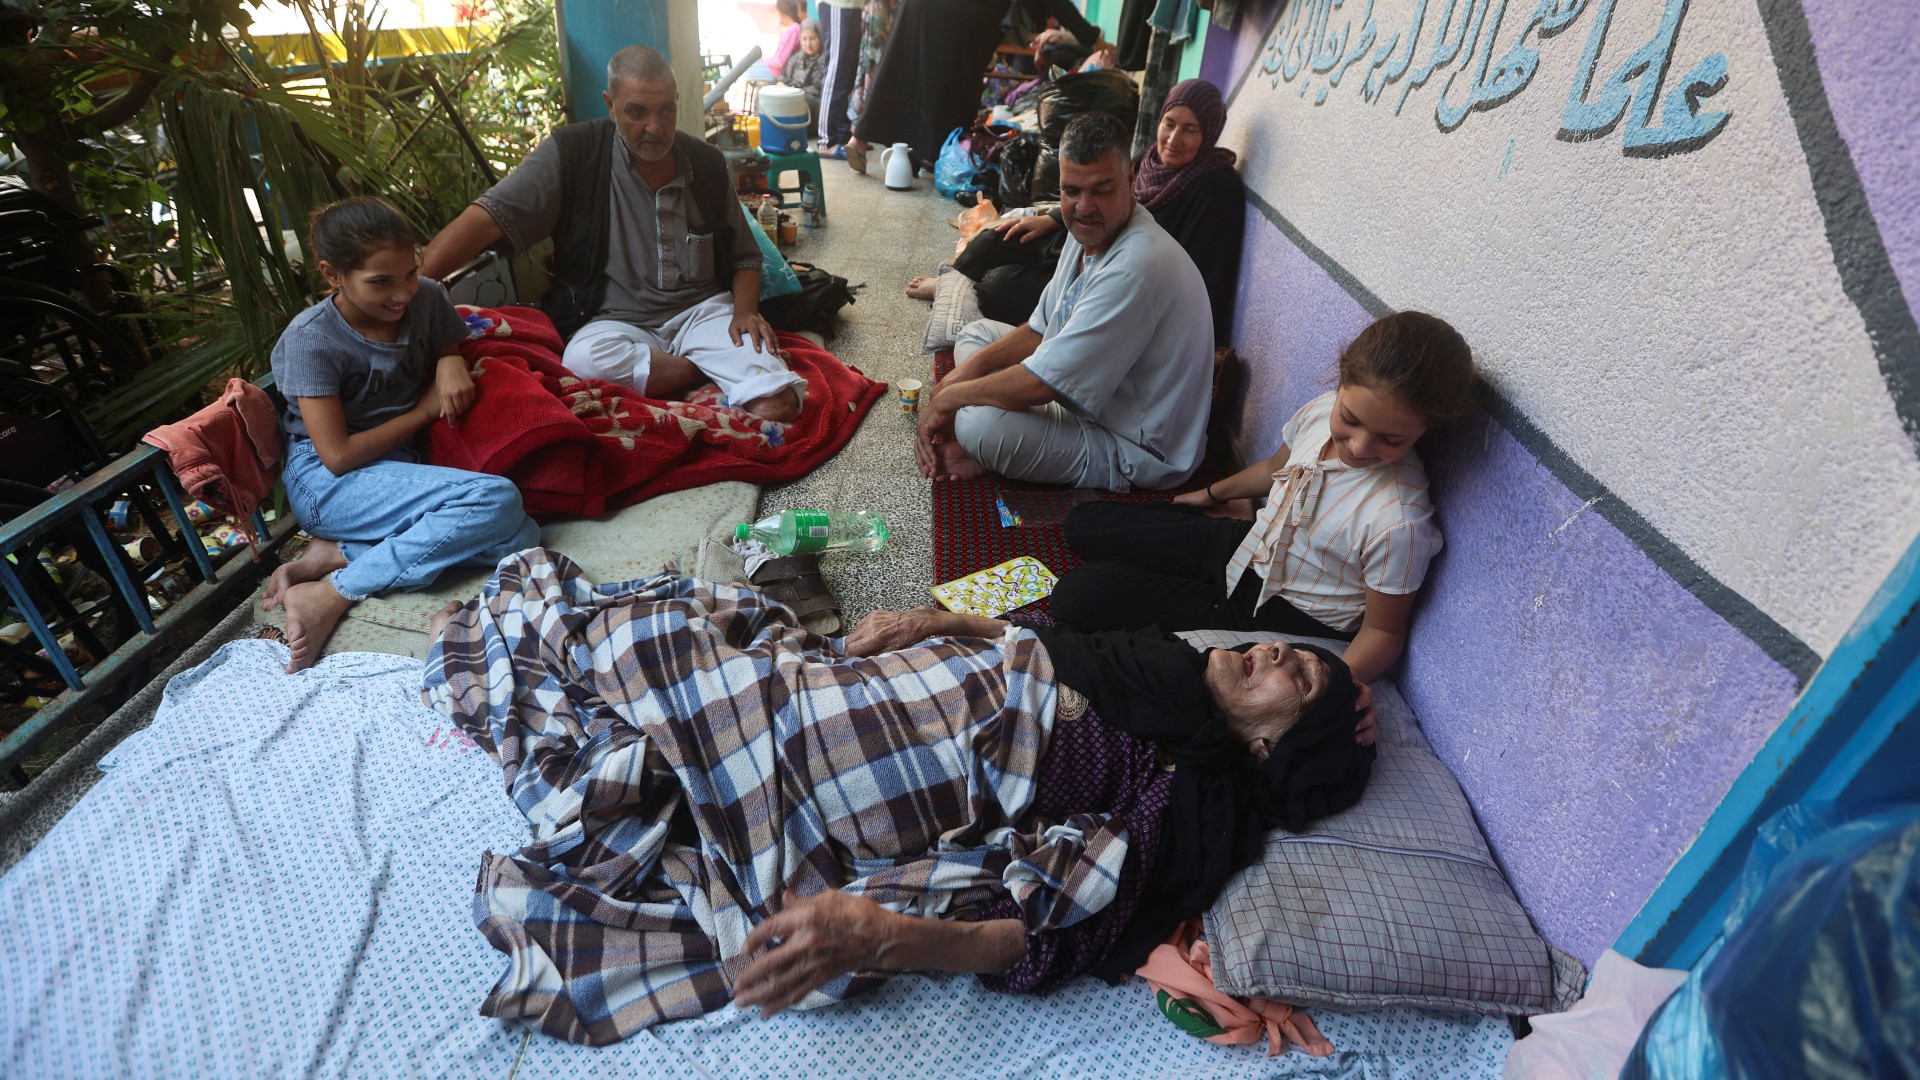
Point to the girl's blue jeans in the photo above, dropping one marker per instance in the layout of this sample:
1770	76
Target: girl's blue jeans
401	523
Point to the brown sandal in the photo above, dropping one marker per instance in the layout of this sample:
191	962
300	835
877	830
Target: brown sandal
795	582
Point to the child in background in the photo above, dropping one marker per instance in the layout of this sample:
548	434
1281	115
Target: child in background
364	371
791	14
1344	540
807	69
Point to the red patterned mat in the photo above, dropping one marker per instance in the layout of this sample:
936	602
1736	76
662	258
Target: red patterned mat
967	531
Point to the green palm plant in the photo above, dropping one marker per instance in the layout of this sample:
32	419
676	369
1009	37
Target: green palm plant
252	150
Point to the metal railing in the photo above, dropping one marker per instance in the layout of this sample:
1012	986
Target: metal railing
103	680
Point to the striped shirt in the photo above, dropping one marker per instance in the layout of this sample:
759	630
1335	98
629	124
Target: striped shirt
1329	532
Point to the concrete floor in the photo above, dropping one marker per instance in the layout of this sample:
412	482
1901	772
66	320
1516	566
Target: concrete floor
878	239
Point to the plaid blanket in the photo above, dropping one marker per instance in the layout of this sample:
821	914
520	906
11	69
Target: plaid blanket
685	751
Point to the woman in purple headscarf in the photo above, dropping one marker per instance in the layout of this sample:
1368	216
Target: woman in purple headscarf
1186	181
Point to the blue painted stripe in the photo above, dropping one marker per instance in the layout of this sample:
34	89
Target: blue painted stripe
1867	689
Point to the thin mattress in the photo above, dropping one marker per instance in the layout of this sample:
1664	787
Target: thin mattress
276	877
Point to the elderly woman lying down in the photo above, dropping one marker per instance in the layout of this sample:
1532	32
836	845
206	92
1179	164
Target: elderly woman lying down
725	807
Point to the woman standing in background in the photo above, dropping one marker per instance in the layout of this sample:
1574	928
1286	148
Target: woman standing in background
928	79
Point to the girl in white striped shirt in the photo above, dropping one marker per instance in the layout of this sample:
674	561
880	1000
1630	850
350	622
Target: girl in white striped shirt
1343	542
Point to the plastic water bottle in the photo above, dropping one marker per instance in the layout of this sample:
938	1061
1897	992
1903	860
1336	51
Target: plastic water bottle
798	532
809	206
769	216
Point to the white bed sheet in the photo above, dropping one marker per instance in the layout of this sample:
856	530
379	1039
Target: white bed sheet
276	878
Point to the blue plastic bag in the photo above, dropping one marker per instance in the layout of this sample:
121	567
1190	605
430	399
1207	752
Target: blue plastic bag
954	169
776	277
1819	971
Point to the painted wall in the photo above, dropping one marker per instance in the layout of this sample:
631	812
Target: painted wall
1683	237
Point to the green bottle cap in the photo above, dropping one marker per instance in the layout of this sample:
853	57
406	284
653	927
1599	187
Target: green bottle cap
742	531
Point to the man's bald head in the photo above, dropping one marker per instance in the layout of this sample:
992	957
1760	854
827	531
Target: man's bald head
639	63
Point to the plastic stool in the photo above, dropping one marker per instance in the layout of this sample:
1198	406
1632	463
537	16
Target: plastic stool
806	163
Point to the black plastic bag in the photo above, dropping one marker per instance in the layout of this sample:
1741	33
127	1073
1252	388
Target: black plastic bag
815	307
1066	97
1018	163
1025	97
1046	177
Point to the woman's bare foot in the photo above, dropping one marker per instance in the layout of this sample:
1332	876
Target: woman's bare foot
952	463
444	616
321	558
314	608
921	288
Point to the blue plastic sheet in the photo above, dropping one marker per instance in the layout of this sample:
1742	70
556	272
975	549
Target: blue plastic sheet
1818	973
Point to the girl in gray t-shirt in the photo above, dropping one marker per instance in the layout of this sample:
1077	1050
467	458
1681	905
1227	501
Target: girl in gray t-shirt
364	372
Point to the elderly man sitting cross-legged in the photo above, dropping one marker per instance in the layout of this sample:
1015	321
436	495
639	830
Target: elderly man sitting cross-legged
656	274
1107	384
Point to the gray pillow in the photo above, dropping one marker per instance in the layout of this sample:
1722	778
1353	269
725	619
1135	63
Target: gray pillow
955	304
1395	901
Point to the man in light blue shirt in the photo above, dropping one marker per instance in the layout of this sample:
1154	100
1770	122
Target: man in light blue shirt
1107	385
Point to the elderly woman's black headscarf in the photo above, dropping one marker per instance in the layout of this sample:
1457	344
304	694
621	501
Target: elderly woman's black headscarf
1315	768
1224	802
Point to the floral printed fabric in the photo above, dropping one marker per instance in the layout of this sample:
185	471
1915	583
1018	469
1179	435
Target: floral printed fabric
876	24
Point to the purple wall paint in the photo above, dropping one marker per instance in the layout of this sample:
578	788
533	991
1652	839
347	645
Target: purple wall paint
1597	731
1293	322
1227	54
1865	53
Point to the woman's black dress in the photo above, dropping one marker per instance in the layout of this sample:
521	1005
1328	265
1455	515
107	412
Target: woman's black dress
928	81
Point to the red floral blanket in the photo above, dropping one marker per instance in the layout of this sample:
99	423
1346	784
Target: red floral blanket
582	446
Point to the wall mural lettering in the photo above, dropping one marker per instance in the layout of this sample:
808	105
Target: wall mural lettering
1307	49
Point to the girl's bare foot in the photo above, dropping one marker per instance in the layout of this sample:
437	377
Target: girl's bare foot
314	608
952	463
321	558
445	615
921	288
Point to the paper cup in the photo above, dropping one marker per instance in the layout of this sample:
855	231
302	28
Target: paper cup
909	395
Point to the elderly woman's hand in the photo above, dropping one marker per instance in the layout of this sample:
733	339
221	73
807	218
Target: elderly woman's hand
821	937
885	631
